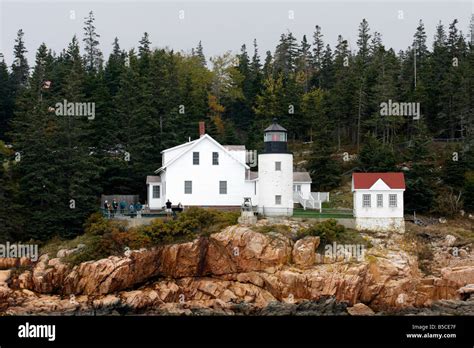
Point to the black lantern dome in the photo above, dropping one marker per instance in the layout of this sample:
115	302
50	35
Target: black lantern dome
275	138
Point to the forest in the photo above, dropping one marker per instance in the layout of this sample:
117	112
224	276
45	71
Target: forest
54	168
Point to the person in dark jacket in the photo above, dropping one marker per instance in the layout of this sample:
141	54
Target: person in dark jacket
107	208
123	206
115	206
168	208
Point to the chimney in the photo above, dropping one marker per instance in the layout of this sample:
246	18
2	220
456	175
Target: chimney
202	128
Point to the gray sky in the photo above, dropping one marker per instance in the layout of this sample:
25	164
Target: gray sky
221	26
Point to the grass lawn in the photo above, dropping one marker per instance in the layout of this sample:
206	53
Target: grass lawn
326	213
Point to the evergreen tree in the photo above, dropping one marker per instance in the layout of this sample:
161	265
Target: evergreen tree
200	54
319	56
93	55
20	68
376	157
6	100
268	65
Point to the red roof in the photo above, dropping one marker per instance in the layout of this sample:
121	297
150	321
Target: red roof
366	180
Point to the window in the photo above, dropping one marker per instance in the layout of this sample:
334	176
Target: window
156	191
278	166
196	158
379	200
365	201
392	201
275	136
296	188
215	158
277	200
188	187
223	187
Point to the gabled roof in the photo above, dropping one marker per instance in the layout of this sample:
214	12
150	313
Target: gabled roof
234	147
153	179
301	177
180	146
367	180
194	144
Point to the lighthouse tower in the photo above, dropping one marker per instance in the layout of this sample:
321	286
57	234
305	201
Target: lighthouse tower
275	174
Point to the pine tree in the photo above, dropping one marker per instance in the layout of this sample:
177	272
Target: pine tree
11	221
20	68
255	72
304	61
268	65
421	176
200	54
6	100
318	56
286	54
93	55
376	157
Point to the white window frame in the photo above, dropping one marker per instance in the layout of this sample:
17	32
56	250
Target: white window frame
379	200
186	187
278	166
366	200
277	199
392	200
222	187
215	158
158	196
196	158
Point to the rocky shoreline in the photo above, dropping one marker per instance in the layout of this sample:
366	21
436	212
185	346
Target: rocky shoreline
242	272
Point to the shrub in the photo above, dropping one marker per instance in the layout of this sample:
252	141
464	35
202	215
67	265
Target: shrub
328	231
97	225
278	228
108	237
190	224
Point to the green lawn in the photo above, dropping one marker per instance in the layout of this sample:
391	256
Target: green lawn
326	213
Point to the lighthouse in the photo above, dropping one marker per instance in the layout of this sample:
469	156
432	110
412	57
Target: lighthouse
275	173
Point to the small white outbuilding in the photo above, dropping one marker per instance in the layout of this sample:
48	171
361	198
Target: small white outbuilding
378	201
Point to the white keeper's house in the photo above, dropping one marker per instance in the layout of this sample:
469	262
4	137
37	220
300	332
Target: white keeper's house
378	201
205	173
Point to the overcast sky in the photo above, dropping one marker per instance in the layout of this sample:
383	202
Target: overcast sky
221	26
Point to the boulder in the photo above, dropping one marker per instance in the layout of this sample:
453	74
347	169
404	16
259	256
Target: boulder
304	251
360	309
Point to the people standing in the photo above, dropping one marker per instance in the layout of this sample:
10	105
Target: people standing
168	208
132	210
138	209
123	206
107	208
115	206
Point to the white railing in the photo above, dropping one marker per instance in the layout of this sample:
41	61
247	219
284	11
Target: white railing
298	197
320	196
314	201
